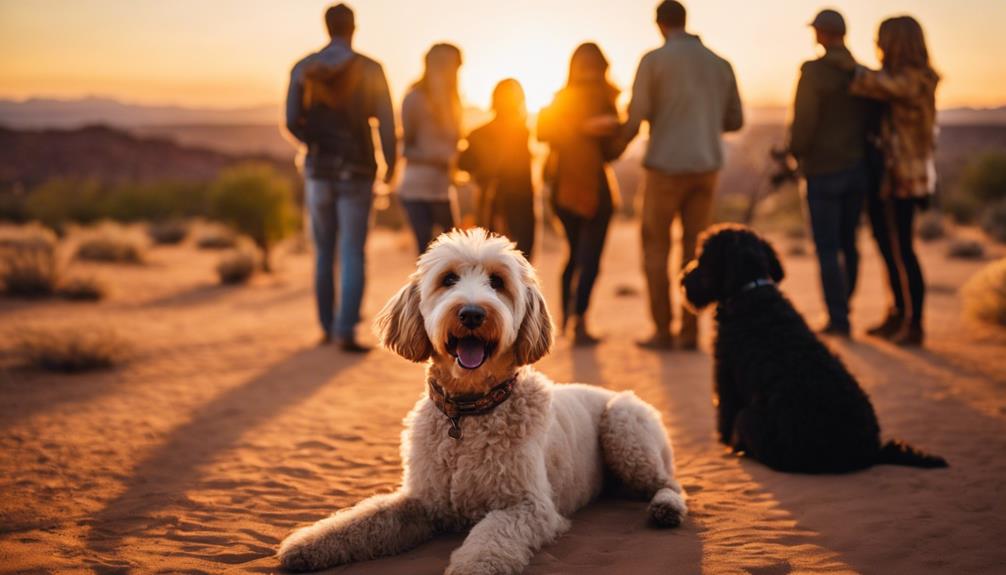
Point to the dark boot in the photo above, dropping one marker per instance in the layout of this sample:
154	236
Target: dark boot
581	337
909	336
891	325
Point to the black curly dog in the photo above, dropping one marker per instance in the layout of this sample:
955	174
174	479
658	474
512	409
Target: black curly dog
784	398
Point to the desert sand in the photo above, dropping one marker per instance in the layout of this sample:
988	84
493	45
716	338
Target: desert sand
229	427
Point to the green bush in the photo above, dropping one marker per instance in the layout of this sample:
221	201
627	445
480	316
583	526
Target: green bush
994	221
985	294
983	183
61	201
256	201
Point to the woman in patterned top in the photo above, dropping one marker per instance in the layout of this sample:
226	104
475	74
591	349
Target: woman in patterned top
906	83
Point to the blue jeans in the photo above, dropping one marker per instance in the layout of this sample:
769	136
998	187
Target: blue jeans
339	210
835	202
424	215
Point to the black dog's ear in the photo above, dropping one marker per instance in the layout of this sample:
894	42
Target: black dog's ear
774	266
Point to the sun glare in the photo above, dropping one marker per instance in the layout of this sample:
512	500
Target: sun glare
540	67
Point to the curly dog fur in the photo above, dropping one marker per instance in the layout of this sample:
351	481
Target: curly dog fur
520	470
782	397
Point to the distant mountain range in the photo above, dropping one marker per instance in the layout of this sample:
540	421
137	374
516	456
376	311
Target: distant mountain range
52	113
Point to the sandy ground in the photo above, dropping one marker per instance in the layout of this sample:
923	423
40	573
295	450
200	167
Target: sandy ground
229	427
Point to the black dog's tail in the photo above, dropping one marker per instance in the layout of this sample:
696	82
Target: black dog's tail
897	452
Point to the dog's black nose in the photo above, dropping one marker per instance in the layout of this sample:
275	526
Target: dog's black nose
472	316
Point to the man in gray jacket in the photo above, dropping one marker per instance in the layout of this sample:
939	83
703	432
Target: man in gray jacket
689	97
333	95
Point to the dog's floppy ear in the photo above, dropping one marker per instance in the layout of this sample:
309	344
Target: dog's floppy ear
774	266
400	326
534	338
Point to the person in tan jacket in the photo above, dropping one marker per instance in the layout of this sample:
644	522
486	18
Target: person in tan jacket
689	97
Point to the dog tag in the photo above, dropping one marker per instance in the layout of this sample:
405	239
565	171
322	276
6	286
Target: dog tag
455	430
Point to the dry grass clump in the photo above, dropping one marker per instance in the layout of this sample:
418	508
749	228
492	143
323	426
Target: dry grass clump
966	249
217	238
171	232
237	266
931	227
82	288
29	262
111	243
985	294
72	350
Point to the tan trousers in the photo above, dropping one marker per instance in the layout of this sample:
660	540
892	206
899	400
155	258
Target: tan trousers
665	198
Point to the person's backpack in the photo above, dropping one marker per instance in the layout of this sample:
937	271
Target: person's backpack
329	86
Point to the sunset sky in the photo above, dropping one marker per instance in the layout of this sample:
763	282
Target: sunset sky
231	53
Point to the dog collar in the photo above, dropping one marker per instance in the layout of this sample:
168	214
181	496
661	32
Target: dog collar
751	285
457	407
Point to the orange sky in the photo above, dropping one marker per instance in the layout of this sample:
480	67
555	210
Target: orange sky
229	53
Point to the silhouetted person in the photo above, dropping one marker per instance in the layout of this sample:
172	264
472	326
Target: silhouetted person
333	95
689	97
907	83
828	139
499	159
580	127
431	128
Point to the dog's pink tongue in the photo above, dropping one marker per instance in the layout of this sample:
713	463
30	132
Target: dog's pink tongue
471	352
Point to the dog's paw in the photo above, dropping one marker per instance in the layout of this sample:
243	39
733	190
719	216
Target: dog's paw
667	508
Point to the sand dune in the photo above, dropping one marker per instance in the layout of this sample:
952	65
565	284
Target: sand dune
229	428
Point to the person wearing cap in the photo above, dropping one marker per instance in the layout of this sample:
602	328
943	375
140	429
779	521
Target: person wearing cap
333	95
828	137
688	95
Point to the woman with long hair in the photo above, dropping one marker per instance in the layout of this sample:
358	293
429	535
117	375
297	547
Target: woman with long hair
906	83
499	159
580	126
431	124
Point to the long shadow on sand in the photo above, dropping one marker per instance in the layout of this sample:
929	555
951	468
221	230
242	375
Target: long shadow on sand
898	514
175	467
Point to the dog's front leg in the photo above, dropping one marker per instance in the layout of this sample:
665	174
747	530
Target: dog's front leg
505	539
377	526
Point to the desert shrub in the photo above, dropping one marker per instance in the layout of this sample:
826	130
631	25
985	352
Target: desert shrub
72	350
158	201
983	183
985	294
236	267
111	243
82	288
966	249
61	201
169	232
931	227
994	221
216	238
258	202
29	262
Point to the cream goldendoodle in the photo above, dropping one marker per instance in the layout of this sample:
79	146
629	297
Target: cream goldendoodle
493	445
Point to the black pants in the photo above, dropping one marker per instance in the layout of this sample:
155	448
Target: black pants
893	221
586	242
518	217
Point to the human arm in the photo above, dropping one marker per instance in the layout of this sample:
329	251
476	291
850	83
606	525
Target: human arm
733	118
881	85
641	105
806	107
295	103
385	114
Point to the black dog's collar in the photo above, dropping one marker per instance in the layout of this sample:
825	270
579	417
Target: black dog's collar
751	285
456	407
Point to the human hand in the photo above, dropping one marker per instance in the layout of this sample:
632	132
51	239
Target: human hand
604	125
